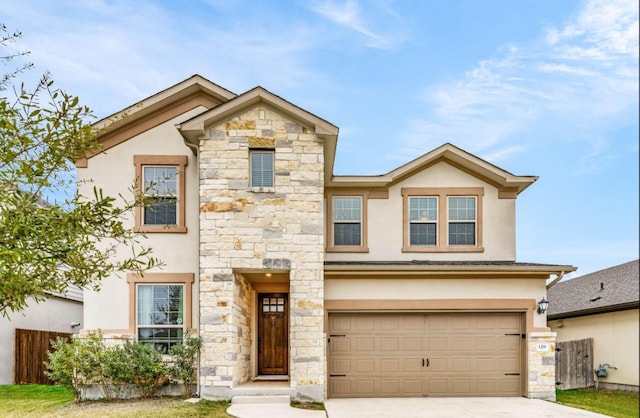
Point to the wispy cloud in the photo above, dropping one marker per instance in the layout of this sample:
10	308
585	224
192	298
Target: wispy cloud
138	49
580	78
349	15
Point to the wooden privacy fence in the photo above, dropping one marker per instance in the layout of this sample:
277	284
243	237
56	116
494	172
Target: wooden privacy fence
574	364
31	353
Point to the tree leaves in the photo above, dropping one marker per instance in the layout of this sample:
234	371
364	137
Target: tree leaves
45	247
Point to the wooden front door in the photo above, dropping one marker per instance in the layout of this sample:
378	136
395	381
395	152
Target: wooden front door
273	334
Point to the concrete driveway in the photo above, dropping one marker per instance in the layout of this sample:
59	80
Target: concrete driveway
450	407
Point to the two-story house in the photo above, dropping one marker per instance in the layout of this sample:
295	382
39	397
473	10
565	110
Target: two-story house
402	284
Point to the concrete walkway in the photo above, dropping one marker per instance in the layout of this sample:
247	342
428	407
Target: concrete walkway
272	410
450	407
417	408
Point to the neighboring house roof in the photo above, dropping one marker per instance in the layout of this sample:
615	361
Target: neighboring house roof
73	292
508	184
612	289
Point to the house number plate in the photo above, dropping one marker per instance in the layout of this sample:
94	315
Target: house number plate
543	347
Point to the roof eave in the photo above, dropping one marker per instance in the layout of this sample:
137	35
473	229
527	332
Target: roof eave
193	84
538	269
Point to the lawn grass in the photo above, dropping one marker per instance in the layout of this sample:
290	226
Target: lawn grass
608	402
55	401
32	400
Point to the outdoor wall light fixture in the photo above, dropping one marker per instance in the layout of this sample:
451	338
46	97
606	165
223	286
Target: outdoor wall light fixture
543	305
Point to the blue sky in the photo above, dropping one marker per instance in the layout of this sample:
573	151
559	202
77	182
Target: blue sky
537	87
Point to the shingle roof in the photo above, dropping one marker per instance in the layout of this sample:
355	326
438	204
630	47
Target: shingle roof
612	289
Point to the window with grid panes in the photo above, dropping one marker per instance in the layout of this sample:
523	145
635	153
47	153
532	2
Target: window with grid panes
423	220
160	315
160	188
347	221
462	220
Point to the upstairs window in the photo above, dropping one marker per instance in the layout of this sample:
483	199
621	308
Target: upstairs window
160	187
161	180
261	168
423	221
442	219
462	220
347	221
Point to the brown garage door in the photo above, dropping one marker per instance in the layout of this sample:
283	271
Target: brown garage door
431	354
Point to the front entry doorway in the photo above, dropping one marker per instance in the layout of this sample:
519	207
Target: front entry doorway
273	334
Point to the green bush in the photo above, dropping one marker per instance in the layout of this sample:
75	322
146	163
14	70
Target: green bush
77	363
82	362
185	366
117	372
148	369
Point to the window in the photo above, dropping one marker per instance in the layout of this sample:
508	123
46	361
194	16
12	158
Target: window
160	307
161	179
159	184
442	219
347	230
462	220
423	219
160	315
261	168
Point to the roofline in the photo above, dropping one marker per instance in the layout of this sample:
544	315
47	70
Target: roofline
193	128
448	268
593	311
446	152
146	106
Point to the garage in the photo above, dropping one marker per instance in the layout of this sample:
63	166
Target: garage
425	354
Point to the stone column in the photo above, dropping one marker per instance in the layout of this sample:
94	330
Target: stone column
541	347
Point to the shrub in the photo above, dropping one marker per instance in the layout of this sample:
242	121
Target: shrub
77	363
184	367
82	362
117	372
147	367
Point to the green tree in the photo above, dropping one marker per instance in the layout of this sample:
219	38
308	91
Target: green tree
46	247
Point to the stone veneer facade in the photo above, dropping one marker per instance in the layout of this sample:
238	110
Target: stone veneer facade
542	366
278	229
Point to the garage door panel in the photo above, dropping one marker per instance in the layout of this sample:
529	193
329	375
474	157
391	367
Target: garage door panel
338	366
460	365
365	344
461	343
340	345
364	324
412	365
389	344
365	365
436	387
435	344
412	344
485	344
449	354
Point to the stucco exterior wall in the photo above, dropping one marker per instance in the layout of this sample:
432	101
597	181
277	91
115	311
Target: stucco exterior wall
56	314
114	172
385	224
433	289
615	341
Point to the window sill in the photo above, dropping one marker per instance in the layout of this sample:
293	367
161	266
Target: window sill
262	189
166	229
456	249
